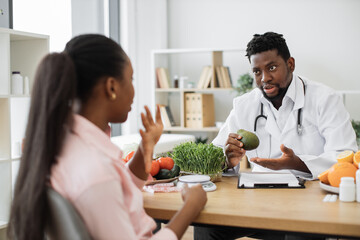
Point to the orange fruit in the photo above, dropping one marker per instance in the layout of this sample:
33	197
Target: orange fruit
323	177
155	168
357	159
346	156
129	156
339	170
166	163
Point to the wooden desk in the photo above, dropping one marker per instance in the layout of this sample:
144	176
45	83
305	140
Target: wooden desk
297	210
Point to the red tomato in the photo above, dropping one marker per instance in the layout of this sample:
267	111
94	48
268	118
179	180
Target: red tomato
166	163
155	168
129	156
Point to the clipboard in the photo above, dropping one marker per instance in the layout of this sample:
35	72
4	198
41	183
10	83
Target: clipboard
269	180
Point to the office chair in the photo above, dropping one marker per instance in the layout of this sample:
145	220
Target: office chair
63	221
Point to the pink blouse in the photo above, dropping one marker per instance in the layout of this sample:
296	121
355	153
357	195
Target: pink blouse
89	172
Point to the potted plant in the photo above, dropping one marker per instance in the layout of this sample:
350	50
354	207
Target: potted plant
200	158
356	126
244	84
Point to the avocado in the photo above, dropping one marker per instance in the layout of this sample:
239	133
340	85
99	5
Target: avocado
163	174
249	139
175	171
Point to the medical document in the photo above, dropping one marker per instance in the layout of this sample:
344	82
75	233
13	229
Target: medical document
269	180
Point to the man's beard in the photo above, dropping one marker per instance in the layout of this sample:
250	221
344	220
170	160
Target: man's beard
280	95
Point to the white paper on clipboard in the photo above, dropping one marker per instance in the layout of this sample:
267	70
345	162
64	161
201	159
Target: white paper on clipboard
269	180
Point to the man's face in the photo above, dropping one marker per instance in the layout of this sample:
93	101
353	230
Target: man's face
272	74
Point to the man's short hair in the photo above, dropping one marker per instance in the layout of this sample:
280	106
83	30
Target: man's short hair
268	41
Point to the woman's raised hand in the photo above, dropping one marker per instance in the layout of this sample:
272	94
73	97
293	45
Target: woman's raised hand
151	135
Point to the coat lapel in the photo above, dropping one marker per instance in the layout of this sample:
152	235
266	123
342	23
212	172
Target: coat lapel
299	101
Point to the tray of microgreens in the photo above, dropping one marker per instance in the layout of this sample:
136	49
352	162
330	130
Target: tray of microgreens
200	158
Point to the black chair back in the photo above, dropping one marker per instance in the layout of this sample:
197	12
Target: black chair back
63	221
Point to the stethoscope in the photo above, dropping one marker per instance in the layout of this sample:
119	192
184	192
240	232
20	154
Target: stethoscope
261	115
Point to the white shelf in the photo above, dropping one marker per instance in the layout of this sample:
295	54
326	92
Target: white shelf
190	63
210	90
185	129
20	51
3	224
15	158
195	50
15	96
21	36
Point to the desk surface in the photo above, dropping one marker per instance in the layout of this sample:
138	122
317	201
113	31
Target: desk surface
298	210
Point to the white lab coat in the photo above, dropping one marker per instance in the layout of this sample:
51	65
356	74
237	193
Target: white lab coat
325	122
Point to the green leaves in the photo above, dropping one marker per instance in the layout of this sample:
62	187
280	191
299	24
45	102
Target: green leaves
356	126
244	84
199	158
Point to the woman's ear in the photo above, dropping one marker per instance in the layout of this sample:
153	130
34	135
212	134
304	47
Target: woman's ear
111	88
291	64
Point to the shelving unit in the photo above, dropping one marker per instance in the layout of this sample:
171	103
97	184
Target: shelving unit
190	62
20	51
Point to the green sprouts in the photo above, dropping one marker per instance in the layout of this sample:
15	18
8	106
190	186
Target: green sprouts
199	158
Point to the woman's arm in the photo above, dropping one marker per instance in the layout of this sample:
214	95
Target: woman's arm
140	165
194	201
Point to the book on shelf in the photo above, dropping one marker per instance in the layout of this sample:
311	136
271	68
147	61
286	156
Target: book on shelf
219	77
170	116
208	77
203	76
162	77
166	116
223	71
230	80
227	77
223	77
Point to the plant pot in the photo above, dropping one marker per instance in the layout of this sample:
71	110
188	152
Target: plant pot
215	177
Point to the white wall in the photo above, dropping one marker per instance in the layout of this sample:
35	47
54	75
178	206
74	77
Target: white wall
49	17
87	16
322	35
143	28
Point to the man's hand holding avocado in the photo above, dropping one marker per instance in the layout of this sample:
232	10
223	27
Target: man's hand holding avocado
234	150
238	143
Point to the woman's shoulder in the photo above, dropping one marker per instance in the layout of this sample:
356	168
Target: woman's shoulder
79	166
